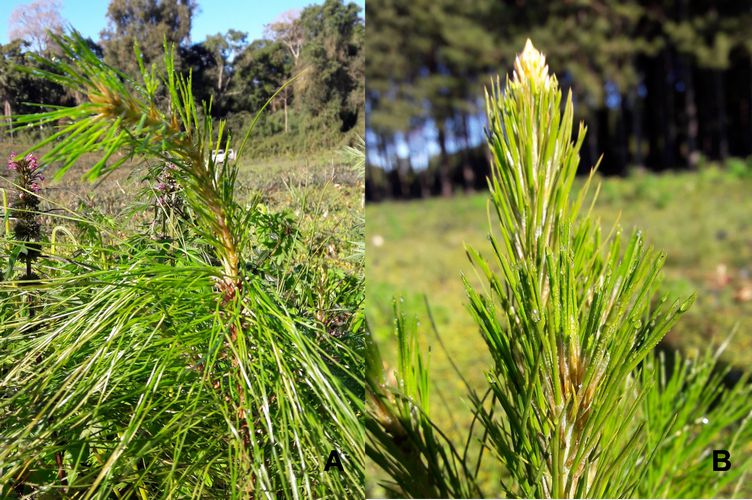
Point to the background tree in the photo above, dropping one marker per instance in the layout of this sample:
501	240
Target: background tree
425	53
31	23
334	37
148	22
261	68
200	61
10	79
223	48
288	30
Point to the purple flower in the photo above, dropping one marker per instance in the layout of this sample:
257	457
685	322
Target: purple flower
31	160
34	187
12	165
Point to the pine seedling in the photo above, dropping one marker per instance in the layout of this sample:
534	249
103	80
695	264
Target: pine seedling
576	406
565	321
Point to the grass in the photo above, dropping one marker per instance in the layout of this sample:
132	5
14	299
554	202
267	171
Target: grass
701	220
274	177
321	191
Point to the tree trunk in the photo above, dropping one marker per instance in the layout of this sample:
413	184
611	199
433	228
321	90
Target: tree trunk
468	176
285	104
425	184
621	132
659	113
592	138
8	112
446	183
690	107
635	104
723	146
668	122
403	175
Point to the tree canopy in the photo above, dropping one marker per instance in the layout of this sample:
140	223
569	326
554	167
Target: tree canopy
320	47
147	22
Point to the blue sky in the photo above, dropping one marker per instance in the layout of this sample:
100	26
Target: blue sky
88	16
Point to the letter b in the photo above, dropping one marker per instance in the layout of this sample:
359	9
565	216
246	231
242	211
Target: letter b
721	460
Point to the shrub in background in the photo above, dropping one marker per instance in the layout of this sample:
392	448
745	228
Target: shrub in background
577	405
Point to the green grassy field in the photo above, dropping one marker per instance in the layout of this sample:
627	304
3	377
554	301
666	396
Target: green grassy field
319	188
701	220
